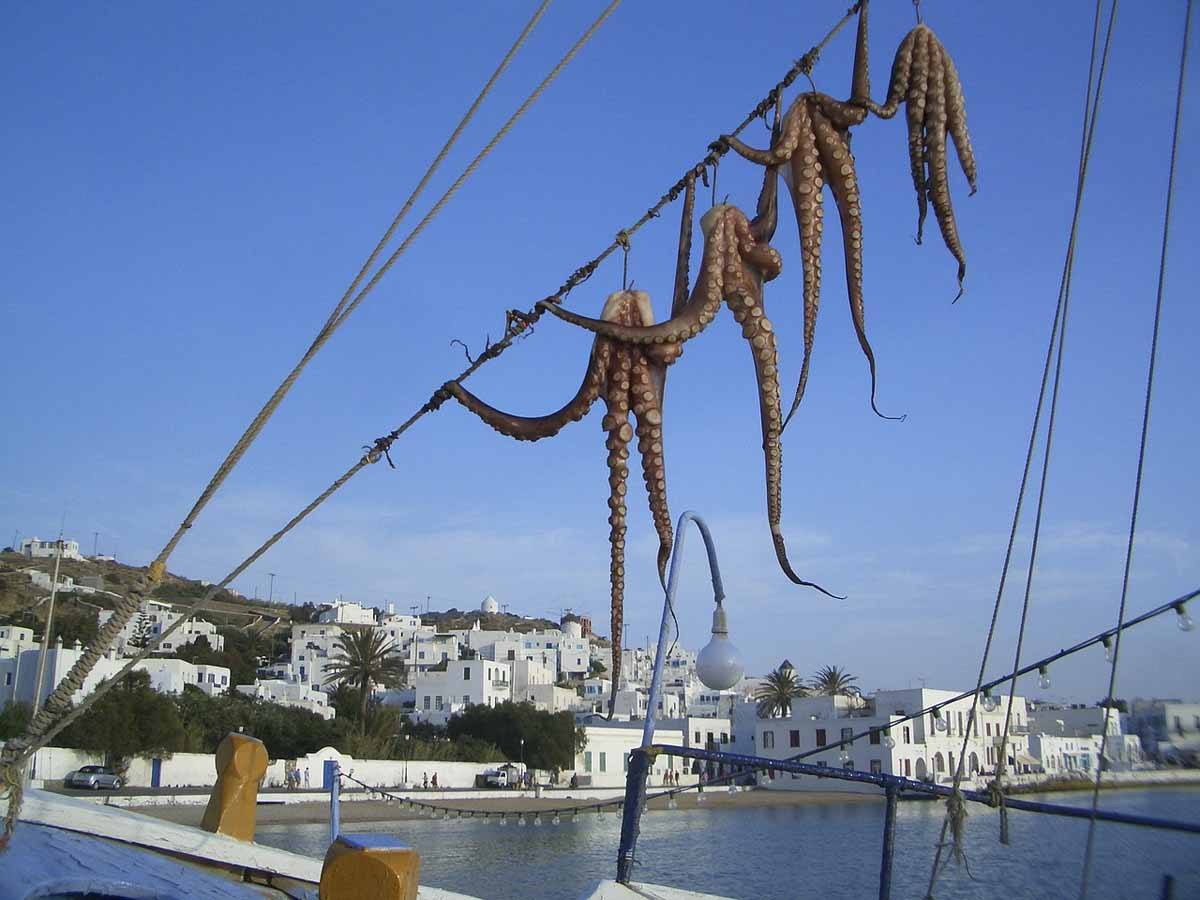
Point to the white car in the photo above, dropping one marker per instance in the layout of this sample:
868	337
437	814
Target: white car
94	778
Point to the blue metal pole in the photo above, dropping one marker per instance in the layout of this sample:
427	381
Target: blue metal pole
335	811
660	657
889	843
635	799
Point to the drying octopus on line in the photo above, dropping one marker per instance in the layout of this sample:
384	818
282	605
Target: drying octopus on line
630	378
736	262
813	148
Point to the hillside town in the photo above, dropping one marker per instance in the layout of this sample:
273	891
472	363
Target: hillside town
565	669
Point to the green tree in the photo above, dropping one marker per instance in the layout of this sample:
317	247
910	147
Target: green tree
131	720
776	693
551	739
13	719
829	681
365	656
141	631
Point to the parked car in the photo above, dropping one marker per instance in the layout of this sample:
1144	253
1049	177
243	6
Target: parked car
94	777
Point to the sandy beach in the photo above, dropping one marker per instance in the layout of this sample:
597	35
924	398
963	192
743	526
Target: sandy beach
383	811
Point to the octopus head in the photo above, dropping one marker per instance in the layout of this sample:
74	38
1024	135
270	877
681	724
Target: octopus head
628	308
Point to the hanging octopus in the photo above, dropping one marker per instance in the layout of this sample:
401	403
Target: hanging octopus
737	260
630	378
813	146
924	77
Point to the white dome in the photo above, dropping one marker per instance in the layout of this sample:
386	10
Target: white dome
489	605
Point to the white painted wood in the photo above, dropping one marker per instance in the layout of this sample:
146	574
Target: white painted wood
611	890
117	824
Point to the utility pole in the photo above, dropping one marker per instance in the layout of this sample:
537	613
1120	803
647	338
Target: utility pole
271	594
41	669
95	541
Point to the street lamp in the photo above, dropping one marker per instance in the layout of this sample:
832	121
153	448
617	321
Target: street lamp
719	664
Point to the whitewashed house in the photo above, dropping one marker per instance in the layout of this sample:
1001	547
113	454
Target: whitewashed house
604	761
14	640
290	693
157	617
35	548
464	683
171	676
346	613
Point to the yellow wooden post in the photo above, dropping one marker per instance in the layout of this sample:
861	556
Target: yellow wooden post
370	867
241	764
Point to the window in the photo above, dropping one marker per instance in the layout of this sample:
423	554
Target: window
847	734
820	737
724	737
794	738
697	738
587	760
8	677
212	678
625	762
768	740
603	761
466	700
224	679
876	766
988	726
960	728
466	673
874	736
908	768
437	702
710	737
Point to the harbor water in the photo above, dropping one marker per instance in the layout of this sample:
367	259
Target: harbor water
827	850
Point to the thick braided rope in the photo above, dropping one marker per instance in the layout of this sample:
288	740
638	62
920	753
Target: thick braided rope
1141	458
1088	129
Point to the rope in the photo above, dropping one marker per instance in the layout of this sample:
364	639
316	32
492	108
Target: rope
1141	460
35	735
1056	336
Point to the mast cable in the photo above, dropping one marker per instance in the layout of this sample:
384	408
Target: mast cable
1141	459
1090	113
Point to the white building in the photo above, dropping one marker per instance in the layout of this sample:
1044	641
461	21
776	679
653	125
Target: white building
489	605
604	761
290	693
14	640
925	748
346	613
19	674
171	676
34	548
466	682
156	617
1169	729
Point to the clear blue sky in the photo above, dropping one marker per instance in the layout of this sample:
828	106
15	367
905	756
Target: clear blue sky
186	191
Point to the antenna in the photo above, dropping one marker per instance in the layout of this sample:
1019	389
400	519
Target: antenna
271	594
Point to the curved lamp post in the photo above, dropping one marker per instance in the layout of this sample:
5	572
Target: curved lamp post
718	666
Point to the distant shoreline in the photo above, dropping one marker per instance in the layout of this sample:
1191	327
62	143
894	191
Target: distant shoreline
313	813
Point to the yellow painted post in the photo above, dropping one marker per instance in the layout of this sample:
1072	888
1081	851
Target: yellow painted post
370	867
241	764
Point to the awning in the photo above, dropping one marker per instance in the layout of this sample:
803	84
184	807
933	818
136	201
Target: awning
1024	759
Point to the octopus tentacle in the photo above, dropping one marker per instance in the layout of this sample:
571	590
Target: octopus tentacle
759	332
806	178
616	423
650	446
915	113
939	182
860	84
534	428
898	83
956	121
683	258
838	163
782	146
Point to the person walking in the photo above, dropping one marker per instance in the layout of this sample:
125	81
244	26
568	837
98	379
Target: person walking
434	781
425	779
306	777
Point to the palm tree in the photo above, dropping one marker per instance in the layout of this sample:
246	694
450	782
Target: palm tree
365	657
829	681
776	693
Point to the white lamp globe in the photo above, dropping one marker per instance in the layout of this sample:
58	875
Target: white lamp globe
719	665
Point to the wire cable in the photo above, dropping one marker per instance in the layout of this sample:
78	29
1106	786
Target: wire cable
1141	458
1057	330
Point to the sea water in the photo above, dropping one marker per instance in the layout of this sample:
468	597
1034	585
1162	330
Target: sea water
828	850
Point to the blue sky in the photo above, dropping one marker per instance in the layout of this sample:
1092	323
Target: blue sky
187	190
